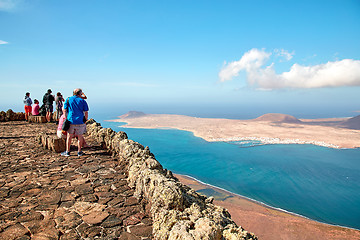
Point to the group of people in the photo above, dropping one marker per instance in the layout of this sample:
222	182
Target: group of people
47	108
74	109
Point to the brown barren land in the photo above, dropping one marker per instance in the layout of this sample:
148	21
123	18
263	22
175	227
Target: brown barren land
322	132
269	223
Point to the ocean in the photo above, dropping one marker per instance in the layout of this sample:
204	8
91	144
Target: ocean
319	183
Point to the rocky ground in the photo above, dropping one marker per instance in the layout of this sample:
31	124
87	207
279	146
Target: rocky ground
46	196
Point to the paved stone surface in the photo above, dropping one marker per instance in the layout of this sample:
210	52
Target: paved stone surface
46	196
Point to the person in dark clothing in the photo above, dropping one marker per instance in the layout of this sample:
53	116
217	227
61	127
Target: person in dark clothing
48	100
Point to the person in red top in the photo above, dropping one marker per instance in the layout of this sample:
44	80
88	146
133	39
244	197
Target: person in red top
35	108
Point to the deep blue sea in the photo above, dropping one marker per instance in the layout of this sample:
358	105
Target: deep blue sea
316	182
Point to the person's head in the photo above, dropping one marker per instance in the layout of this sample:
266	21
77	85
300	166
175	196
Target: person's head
27	94
49	91
58	94
77	92
36	101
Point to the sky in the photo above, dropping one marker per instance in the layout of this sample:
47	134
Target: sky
203	58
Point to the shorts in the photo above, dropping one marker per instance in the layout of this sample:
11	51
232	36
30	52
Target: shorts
77	129
28	109
49	108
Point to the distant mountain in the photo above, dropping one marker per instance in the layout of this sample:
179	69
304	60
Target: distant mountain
133	114
277	117
352	123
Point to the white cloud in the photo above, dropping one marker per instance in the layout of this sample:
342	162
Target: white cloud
251	60
331	74
283	53
6	5
3	42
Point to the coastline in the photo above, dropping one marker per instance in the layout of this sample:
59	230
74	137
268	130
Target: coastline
267	221
320	132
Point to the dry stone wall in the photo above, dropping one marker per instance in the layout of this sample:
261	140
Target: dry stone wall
10	115
178	212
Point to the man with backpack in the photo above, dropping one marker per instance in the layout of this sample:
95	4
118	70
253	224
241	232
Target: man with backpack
48	100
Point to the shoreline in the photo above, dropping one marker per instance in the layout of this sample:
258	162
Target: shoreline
182	176
263	140
319	132
249	212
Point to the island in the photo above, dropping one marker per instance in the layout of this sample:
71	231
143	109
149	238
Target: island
272	128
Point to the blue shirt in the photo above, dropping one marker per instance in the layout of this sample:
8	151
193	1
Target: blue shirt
76	107
27	101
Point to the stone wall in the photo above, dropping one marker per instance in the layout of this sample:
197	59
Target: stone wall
51	142
37	119
178	212
9	115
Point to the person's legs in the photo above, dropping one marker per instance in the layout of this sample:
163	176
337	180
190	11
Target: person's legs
80	142
68	141
27	112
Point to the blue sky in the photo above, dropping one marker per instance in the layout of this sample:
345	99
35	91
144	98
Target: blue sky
278	56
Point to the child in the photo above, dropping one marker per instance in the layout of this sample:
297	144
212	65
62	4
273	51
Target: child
63	134
35	108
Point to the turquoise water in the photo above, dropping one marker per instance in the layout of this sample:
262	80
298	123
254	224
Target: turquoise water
320	183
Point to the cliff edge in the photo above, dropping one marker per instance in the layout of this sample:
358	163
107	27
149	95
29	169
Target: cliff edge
178	212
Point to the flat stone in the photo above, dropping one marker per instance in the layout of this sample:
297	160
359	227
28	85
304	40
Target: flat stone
89	198
102	188
31	193
47	234
29	216
141	230
131	201
14	232
67	196
50	197
84	189
93	232
71	235
67	204
78	181
128	236
95	217
116	201
9	215
85	208
68	221
112	221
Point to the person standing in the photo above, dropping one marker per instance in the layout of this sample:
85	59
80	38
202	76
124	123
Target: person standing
76	109
27	102
59	105
48	100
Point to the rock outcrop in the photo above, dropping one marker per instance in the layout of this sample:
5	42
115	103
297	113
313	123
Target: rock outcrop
178	212
10	115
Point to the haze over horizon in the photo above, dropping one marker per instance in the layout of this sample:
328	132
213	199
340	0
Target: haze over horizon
199	58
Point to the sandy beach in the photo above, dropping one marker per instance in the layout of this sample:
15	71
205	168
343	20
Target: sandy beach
269	223
321	132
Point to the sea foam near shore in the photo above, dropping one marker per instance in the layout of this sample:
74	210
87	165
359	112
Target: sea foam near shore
265	140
